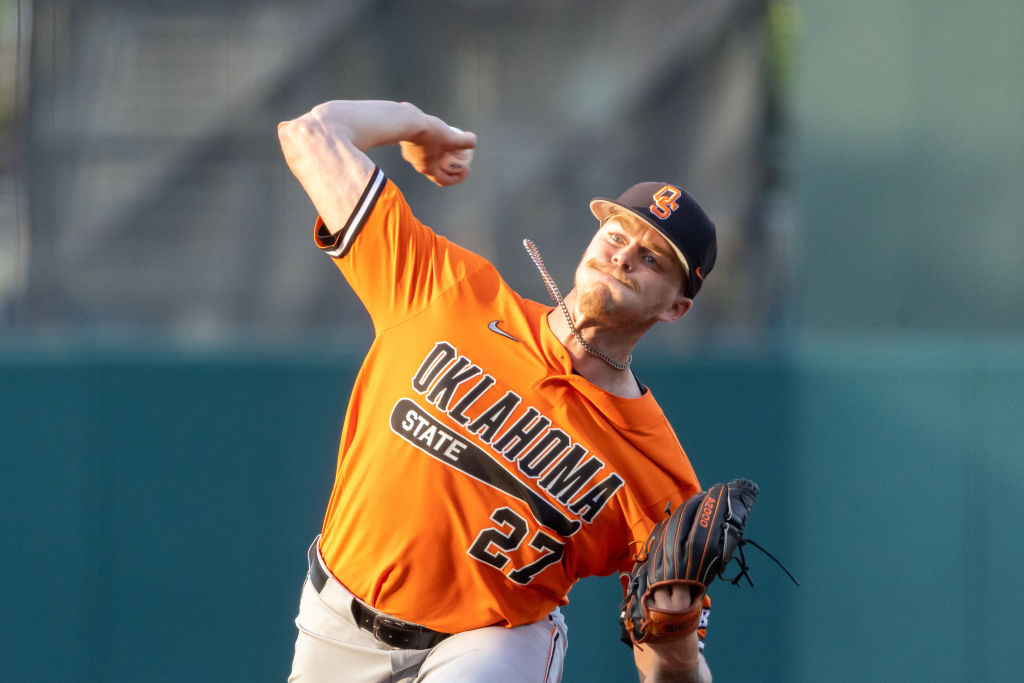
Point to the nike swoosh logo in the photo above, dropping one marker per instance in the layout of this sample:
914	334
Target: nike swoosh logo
493	327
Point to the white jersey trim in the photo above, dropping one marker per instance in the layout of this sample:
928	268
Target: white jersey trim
342	240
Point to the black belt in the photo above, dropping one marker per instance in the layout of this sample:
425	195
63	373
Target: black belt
386	629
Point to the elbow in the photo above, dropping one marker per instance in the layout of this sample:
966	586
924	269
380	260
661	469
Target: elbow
286	138
282	131
293	135
286	133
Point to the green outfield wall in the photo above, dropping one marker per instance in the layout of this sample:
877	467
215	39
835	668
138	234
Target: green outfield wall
157	507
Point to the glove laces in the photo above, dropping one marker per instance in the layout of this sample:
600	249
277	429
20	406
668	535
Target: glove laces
741	560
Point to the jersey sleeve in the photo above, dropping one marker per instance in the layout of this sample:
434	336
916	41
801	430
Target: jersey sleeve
395	264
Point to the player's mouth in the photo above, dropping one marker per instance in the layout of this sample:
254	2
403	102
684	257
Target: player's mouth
629	284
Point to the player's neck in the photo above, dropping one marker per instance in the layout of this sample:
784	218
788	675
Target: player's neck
620	382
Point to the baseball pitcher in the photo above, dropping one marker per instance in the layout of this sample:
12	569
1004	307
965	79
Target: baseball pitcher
496	450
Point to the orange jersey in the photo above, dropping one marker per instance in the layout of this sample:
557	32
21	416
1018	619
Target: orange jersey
478	477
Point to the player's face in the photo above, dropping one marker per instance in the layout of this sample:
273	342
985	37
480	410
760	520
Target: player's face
630	275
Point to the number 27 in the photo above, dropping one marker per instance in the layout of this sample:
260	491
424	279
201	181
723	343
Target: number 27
508	537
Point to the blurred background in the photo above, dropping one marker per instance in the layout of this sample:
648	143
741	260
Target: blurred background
175	354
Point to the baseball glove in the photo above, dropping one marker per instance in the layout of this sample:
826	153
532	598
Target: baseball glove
690	548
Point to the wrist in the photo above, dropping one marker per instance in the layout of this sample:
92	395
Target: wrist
677	671
675	657
656	676
673	660
415	117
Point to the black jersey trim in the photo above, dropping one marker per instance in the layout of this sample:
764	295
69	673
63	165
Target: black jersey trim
338	245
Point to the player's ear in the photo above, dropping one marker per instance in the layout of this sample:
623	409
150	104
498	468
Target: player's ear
680	305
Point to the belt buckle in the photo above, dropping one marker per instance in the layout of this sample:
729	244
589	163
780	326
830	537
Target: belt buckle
382	620
385	629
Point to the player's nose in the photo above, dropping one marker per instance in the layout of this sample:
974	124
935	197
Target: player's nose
624	256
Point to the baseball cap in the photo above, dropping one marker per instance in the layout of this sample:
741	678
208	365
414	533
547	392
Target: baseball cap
678	217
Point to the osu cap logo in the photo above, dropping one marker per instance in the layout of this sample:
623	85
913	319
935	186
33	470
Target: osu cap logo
665	202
